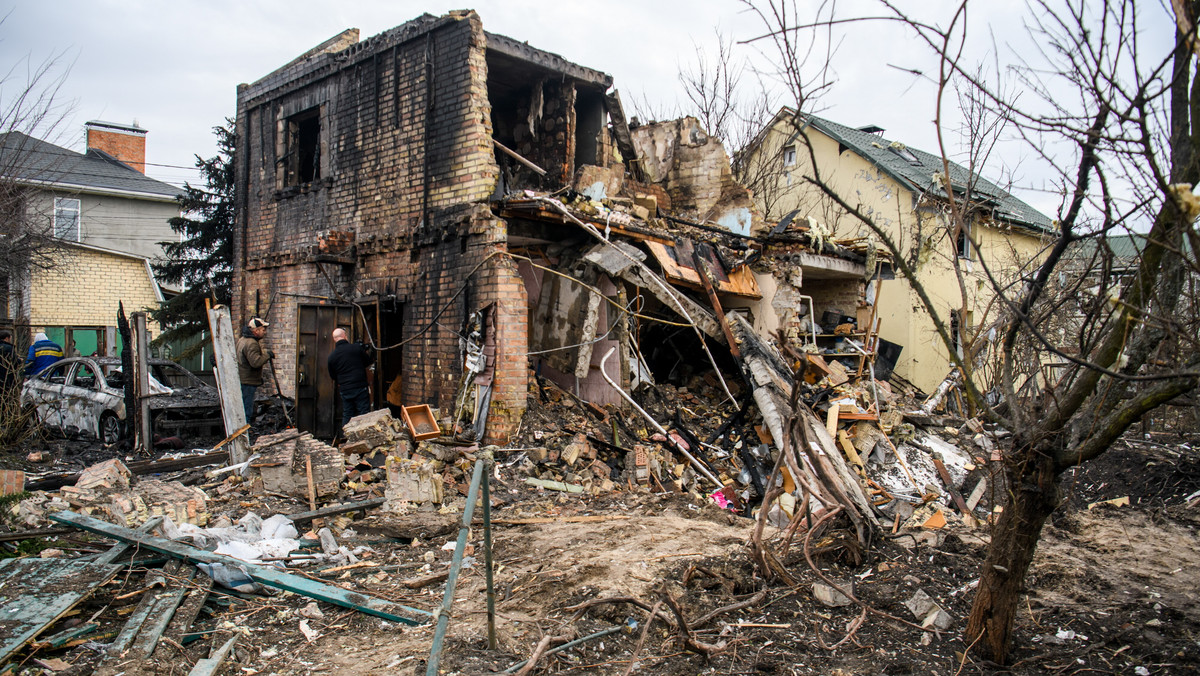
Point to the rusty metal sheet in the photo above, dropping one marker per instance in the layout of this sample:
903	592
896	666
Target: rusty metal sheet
36	592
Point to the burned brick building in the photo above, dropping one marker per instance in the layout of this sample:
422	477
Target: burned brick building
455	198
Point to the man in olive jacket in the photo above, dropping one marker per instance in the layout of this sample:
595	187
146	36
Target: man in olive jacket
251	357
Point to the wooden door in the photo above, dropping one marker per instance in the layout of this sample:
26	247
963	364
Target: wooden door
318	406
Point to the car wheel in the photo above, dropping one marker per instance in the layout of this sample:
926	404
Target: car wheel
110	428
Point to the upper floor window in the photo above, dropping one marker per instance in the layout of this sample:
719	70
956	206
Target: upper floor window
789	156
302	143
66	218
962	243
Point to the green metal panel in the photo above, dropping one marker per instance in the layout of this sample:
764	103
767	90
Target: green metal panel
36	592
270	576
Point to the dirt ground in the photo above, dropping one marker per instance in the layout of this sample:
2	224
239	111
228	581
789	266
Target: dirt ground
1113	590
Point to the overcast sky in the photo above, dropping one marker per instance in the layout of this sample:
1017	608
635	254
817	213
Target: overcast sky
173	67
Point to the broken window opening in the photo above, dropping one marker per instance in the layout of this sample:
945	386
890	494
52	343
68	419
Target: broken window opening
303	155
545	118
590	119
962	243
66	218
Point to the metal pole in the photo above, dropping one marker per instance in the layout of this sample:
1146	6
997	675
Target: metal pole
487	558
443	612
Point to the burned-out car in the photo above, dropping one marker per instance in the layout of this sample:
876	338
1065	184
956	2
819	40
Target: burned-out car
86	395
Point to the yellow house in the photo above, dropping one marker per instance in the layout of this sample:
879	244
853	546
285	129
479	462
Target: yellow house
75	301
901	189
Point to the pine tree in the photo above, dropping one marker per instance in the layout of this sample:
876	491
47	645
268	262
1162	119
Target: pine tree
202	260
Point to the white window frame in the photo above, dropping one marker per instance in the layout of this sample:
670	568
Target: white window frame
64	205
789	156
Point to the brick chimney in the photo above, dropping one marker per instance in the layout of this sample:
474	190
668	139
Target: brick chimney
126	142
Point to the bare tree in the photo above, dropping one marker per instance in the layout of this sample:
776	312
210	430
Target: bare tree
32	112
1112	112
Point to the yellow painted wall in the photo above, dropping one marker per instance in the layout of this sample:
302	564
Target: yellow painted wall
918	229
84	288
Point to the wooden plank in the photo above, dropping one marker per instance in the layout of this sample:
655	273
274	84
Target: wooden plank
334	510
138	637
707	280
225	372
851	453
189	610
34	593
949	483
266	575
164	612
679	268
28	534
120	548
235	435
977	494
211	665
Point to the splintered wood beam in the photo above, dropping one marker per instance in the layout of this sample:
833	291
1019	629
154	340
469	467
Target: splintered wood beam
706	279
267	575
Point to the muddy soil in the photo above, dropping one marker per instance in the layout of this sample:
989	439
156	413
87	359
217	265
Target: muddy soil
1112	590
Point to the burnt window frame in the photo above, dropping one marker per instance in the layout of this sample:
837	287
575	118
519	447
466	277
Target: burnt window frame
302	161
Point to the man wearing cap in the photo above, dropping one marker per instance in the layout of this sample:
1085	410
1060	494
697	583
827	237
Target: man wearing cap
251	357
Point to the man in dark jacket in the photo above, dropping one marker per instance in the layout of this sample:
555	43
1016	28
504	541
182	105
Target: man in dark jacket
9	365
348	364
42	353
251	357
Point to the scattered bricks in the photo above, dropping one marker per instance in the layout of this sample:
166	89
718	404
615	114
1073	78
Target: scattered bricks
284	466
600	469
829	597
12	481
356	448
578	447
110	474
375	429
411	482
537	455
637	464
151	497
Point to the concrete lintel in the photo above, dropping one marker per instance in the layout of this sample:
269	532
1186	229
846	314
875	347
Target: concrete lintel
816	266
523	52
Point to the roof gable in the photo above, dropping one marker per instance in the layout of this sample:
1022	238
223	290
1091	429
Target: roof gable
921	172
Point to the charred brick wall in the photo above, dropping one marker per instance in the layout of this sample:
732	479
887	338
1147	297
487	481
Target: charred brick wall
404	161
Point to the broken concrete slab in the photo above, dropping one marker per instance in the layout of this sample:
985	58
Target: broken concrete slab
829	597
375	429
411	482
